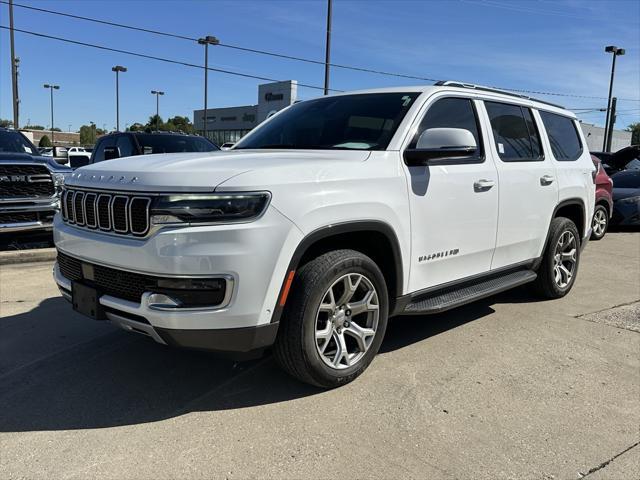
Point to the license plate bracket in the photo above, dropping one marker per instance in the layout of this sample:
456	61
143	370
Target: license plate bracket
86	300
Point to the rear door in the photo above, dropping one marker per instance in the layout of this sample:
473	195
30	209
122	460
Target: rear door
453	201
528	183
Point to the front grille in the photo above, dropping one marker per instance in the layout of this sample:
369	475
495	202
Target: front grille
21	217
122	284
110	212
25	181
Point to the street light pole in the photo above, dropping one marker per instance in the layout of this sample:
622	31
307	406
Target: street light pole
51	89
157	93
206	41
327	52
615	51
118	69
14	70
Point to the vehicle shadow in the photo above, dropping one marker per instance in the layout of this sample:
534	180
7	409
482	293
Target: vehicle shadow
118	378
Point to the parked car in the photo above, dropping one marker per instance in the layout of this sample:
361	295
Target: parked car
227	146
329	217
129	144
30	185
604	202
46	151
626	198
78	157
627	158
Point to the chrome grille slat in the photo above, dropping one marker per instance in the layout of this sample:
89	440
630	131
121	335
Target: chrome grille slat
115	212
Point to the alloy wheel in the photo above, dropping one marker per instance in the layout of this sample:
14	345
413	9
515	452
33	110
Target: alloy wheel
599	223
347	321
565	259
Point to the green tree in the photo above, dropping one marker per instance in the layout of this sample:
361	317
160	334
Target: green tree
33	127
5	123
634	128
86	135
44	142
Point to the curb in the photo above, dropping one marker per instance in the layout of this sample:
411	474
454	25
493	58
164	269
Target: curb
28	256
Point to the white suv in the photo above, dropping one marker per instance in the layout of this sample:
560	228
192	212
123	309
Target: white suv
329	218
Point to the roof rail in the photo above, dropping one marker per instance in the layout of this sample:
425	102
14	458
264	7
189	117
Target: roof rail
453	83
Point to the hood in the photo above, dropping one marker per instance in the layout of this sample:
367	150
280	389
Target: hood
15	157
620	158
199	171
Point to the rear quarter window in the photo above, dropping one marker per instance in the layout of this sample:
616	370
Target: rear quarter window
563	136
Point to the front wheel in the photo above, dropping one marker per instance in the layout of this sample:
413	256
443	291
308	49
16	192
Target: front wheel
335	319
600	222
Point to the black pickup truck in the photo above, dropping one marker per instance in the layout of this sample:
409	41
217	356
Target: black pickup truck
30	185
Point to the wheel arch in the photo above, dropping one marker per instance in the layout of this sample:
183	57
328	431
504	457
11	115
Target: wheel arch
575	210
373	238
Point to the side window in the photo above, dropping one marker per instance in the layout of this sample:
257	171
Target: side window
452	113
125	146
563	136
515	132
98	155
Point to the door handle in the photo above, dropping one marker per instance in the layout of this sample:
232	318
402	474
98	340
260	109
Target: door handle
546	180
483	185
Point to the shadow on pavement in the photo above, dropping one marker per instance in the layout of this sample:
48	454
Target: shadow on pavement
118	378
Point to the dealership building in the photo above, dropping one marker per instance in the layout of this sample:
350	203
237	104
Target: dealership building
229	124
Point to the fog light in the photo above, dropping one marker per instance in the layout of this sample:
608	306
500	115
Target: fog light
160	300
189	292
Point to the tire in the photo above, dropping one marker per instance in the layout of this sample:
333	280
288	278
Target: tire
600	222
548	285
310	322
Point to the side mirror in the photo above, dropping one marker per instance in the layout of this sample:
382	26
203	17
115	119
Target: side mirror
111	152
440	143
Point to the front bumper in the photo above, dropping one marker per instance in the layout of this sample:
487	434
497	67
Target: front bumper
625	214
252	256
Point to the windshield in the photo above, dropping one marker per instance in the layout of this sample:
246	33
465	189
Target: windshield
14	142
150	143
346	122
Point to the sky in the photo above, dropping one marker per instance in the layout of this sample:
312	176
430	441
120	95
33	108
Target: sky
538	45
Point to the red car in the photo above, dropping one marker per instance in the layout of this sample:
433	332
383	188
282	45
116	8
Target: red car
604	201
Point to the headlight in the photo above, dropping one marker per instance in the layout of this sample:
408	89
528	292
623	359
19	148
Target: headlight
208	208
630	200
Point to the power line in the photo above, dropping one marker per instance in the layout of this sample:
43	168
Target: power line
295	58
225	45
161	59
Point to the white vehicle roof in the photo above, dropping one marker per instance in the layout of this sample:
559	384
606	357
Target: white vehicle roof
472	90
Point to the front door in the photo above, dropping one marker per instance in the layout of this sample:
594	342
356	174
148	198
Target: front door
454	203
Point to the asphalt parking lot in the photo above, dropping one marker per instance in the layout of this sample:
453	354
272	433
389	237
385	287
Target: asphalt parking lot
509	387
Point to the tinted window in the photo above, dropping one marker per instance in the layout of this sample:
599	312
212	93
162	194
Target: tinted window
14	142
514	132
153	143
451	113
125	146
98	154
353	122
563	136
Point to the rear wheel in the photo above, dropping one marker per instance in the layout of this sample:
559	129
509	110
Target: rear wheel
600	222
335	319
559	267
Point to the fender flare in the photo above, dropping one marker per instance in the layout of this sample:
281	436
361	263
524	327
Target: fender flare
338	229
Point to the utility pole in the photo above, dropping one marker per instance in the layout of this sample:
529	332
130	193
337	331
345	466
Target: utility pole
51	89
118	69
612	122
14	71
206	41
327	51
157	93
615	51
